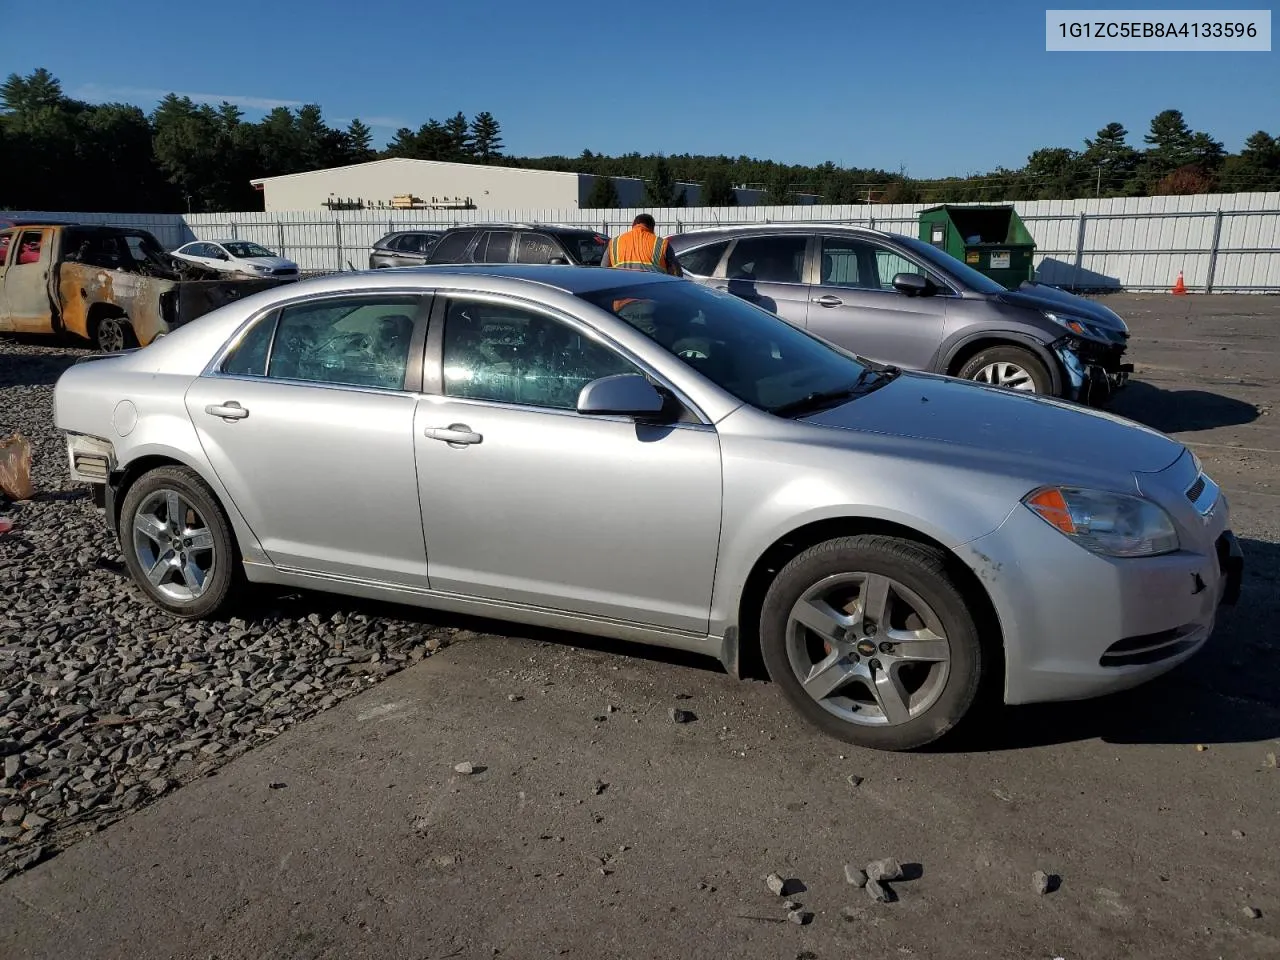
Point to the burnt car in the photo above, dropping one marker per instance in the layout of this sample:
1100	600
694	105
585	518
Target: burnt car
115	286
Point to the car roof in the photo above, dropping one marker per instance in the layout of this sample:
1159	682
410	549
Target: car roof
750	229
569	279
540	227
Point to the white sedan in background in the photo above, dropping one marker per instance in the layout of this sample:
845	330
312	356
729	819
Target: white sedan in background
236	256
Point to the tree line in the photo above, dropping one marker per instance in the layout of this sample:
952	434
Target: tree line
59	153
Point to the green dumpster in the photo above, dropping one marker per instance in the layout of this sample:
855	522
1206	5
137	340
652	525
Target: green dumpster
992	240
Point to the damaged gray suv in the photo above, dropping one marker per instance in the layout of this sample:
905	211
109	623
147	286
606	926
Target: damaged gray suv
898	300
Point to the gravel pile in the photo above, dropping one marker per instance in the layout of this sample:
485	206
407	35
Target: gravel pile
105	702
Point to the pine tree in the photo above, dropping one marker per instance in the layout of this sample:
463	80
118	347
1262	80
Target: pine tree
660	190
1109	159
604	195
360	140
486	137
1169	142
459	132
717	190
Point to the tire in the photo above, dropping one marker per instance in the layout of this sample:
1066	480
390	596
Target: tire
113	333
936	694
1014	368
146	501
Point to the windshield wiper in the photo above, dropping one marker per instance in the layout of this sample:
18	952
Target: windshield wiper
825	398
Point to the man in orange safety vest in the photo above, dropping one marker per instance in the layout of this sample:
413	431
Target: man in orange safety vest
641	249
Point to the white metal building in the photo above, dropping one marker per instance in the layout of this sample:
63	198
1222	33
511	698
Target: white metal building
436	185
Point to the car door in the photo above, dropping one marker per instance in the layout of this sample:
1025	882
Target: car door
493	247
537	248
27	307
526	501
769	271
6	244
309	426
854	303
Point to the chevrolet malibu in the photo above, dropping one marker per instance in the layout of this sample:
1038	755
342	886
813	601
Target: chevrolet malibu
645	458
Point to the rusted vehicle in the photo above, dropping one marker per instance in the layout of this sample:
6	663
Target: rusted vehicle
114	286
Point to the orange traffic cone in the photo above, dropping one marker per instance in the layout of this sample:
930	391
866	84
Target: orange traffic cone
1180	288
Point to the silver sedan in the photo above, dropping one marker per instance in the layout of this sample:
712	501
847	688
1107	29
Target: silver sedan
644	458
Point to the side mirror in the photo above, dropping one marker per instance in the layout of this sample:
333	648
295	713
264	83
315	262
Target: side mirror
913	285
561	261
622	395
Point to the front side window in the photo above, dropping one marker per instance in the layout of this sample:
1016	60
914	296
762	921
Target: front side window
509	354
589	248
29	246
777	259
746	351
537	248
354	341
5	239
860	264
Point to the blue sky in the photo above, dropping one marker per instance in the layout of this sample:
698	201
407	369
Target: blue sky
939	87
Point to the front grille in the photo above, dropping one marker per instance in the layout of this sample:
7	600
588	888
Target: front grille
1197	488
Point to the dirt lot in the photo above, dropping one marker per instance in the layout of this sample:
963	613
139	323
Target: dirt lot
590	832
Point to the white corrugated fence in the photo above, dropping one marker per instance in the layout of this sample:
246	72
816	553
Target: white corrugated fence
1220	242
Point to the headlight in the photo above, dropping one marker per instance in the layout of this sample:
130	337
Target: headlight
1077	326
1108	524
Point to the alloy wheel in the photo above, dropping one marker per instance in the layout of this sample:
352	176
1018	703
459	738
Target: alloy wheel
1007	375
174	546
868	649
111	336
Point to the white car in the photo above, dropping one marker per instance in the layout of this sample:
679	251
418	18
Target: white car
236	256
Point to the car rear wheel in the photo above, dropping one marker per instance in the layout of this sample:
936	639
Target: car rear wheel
1010	367
871	640
177	543
113	334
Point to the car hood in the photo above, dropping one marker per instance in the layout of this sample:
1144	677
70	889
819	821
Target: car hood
1039	296
1012	426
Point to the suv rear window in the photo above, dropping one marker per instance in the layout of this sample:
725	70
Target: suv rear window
452	246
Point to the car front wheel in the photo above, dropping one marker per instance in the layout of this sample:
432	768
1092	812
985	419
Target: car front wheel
1010	367
177	543
871	640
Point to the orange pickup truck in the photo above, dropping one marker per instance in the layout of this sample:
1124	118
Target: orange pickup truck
114	286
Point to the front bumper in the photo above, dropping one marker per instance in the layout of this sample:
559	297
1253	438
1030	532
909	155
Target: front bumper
1077	625
1094	372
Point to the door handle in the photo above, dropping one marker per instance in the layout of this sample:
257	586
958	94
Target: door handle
227	411
828	301
456	434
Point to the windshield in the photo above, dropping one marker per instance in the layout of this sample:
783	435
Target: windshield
588	247
749	352
242	249
970	277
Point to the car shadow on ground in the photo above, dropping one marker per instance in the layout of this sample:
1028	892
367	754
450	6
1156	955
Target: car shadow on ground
1180	411
1229	692
33	369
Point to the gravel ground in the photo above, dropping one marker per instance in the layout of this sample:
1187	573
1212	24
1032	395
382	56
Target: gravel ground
106	703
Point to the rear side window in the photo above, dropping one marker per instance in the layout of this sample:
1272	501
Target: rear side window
538	248
494	247
417	243
702	261
357	341
769	259
249	357
452	246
